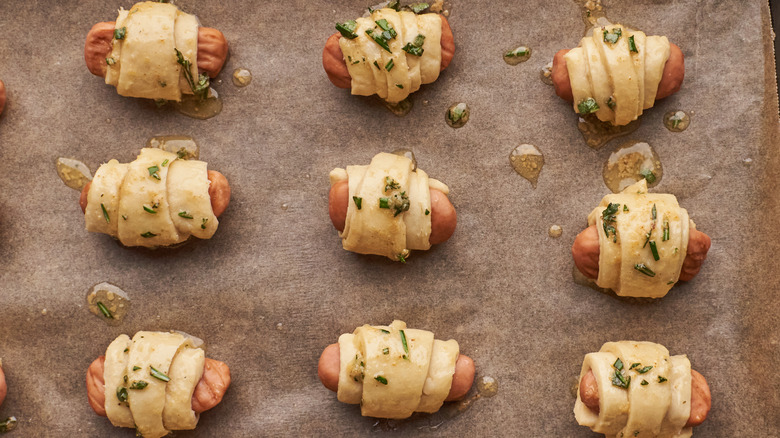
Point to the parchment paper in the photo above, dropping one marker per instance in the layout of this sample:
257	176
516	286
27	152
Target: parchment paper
274	287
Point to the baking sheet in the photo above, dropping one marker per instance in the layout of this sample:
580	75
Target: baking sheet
274	287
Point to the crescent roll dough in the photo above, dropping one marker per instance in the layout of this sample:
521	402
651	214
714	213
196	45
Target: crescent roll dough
621	76
392	371
137	393
393	73
630	225
654	401
156	200
143	61
389	208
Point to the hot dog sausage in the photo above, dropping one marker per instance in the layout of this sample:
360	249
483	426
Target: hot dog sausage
2	97
674	73
336	68
212	49
329	365
586	253
701	399
3	387
208	392
443	215
219	191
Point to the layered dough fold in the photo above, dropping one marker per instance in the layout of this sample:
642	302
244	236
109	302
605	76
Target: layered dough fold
393	74
143	61
655	401
389	207
630	224
156	200
621	76
150	381
392	371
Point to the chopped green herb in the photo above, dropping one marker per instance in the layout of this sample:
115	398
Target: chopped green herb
518	52
456	113
125	377
634	365
104	310
636	432
399	86
154	372
644	269
149	210
644	369
418	7
203	224
648	175
403	341
675	122
391	184
401	258
611	103
381	380
618	364
199	89
148	234
355	62
612	36
384	203
427	212
136	368
654	250
625	207
587	106
385	350
139	385
376	65
120	33
676	250
383	331
632	47
160	102
165	163
185	215
110	61
608	218
389	66
347	29
379	39
163	84
358	202
644	382
394	5
387	27
661	379
105	213
121	394
666	231
415	47
670	282
126	350
124	217
153	172
654	212
619	380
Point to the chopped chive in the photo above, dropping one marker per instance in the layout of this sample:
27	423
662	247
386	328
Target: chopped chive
136	368
644	269
618	364
611	103
401	258
670	282
120	33
104	310
124	217
384	203
121	394
389	66
125	377
158	375
379	39
587	106
645	369
126	350
185	215
654	212
203	224
612	36
385	350
358	202
403	341
644	382
418	7
383	331
149	210
648	175
110	61
105	213
139	385
381	380
634	365
666	231
654	250
400	86
625	208
165	163
199	88
661	379
347	29
427	212
148	234
153	172
632	45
